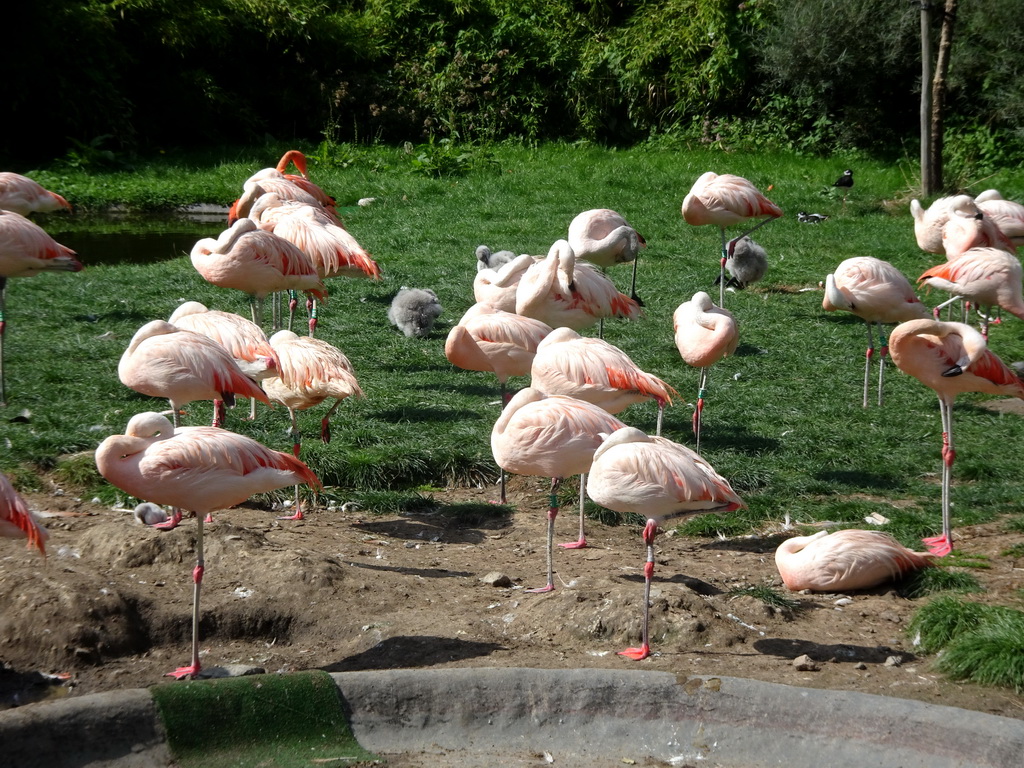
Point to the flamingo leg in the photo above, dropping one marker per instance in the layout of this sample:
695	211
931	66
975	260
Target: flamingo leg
296	447
505	397
312	305
192	670
867	361
3	325
650	531
632	285
582	541
552	514
943	544
946	303
883	351
721	274
701	392
293	303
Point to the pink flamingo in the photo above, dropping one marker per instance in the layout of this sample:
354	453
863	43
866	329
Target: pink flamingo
23	195
704	334
497	287
332	249
950	358
165	361
559	290
196	468
25	251
309	371
877	293
660	480
1005	214
17	520
844	560
288	186
245	258
603	237
598	372
986	277
929	223
243	339
502	343
549	436
725	200
967	227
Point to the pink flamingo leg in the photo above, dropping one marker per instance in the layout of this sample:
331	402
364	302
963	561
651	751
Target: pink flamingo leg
942	545
650	531
192	670
581	542
867	362
296	447
552	514
172	522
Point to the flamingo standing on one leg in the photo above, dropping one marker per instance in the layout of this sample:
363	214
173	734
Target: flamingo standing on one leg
17	520
704	334
986	277
503	343
182	366
844	560
26	196
549	436
196	468
600	373
661	481
603	237
950	358
724	200
247	259
559	290
877	293
25	251
309	371
243	339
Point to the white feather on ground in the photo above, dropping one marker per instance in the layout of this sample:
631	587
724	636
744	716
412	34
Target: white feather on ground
747	264
486	259
414	311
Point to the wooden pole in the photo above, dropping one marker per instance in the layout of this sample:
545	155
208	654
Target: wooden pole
927	182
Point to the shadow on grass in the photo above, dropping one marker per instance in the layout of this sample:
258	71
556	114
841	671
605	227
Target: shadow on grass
858	480
399	652
419	413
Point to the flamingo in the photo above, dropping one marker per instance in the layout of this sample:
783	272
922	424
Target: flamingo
331	248
163	360
549	436
247	259
309	371
497	287
25	251
747	263
950	358
603	237
660	480
243	339
197	468
290	186
502	343
598	372
844	560
724	201
1005	214
17	520
987	277
929	222
414	311
967	227
23	195
487	259
704	334
877	293
559	290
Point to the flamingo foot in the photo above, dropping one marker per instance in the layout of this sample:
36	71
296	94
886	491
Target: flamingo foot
171	523
191	672
297	516
940	546
541	590
208	518
581	543
637	654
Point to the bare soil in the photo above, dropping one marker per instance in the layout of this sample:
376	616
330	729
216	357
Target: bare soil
109	607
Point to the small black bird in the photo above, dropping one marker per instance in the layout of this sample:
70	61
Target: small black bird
846	180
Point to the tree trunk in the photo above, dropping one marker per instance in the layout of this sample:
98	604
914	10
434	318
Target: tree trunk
927	182
939	91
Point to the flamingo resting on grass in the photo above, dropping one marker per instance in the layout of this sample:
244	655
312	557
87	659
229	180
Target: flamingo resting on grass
950	358
660	480
196	468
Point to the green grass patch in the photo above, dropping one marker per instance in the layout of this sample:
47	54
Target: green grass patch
766	594
264	721
945	618
991	654
931	581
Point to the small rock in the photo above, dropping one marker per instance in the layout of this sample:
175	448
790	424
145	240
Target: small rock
497	579
805	664
366	201
844	601
231	670
860	665
894	661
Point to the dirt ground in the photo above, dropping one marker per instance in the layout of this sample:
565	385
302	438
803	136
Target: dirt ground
109	607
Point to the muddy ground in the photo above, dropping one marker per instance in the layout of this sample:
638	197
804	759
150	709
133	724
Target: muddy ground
109	607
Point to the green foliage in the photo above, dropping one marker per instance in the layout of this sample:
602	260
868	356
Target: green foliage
990	654
766	594
930	581
438	159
